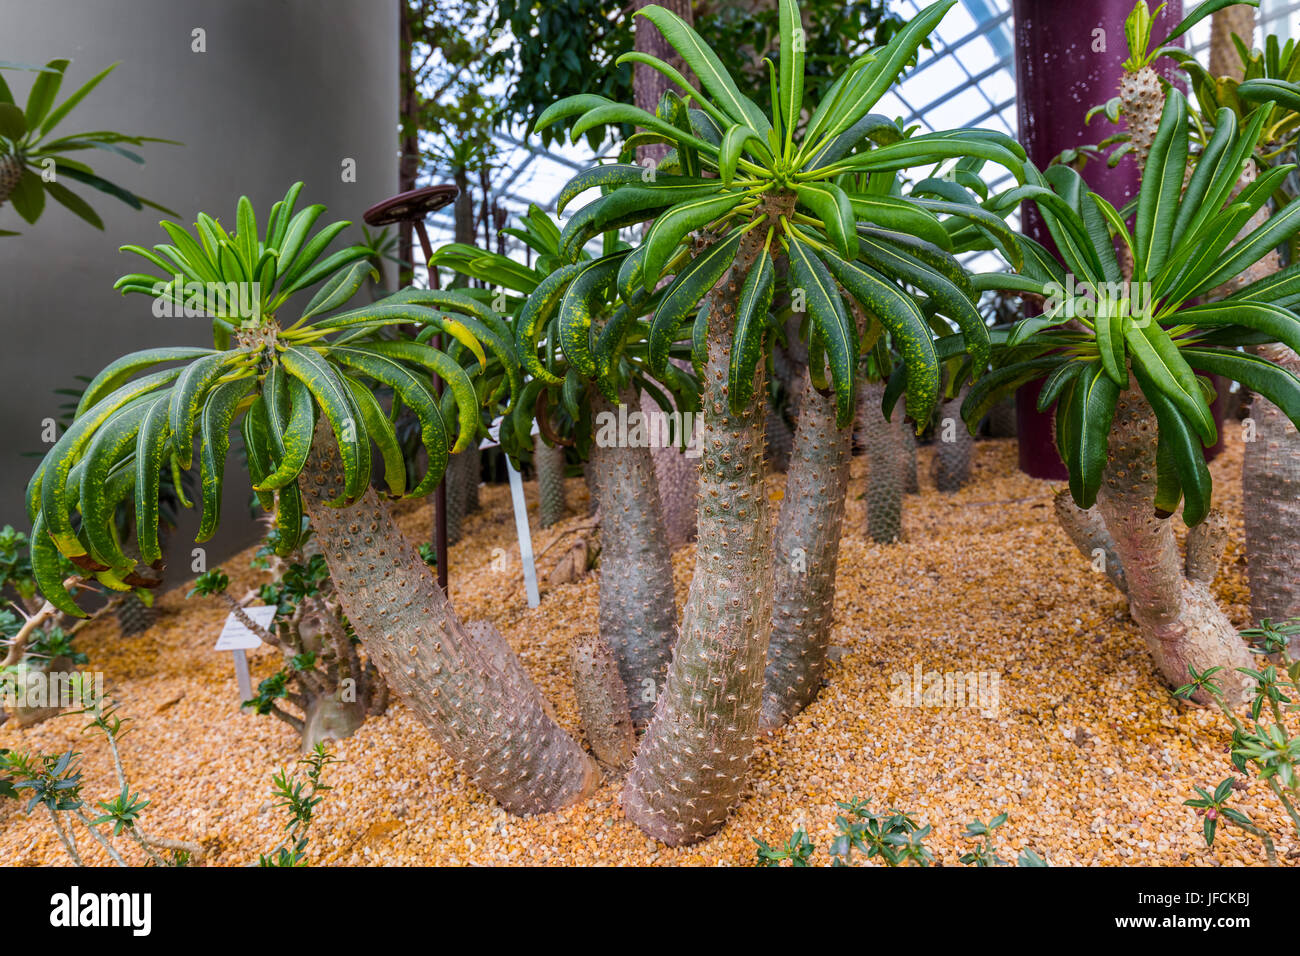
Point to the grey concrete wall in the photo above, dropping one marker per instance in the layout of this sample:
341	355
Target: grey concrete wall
286	90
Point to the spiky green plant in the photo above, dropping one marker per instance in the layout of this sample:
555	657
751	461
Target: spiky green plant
784	187
302	391
34	162
1121	360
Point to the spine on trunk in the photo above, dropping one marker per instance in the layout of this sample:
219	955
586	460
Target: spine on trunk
638	615
805	554
691	768
470	691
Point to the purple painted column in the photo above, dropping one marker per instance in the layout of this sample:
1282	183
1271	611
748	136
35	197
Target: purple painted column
1061	73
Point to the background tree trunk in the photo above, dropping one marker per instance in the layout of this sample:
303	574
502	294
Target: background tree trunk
1224	58
886	464
953	448
638	615
691	768
463	682
907	454
805	555
676	476
548	460
461	474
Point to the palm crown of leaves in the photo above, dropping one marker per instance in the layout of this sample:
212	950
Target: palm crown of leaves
25	135
1183	245
620	352
820	190
143	413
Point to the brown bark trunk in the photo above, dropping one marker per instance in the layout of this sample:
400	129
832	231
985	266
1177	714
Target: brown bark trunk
1224	58
408	166
676	476
1181	622
691	768
471	692
805	556
638	616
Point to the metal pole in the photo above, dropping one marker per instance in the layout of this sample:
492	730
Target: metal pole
439	494
1069	58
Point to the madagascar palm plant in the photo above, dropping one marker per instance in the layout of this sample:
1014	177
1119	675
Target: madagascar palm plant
779	187
637	617
302	392
1121	346
33	160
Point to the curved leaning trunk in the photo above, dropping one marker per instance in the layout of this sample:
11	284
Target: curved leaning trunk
1170	600
805	554
691	768
638	616
463	682
1271	503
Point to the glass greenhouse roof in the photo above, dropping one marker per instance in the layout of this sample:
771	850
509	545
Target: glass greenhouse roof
968	79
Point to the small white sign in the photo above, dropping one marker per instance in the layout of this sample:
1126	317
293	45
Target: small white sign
236	637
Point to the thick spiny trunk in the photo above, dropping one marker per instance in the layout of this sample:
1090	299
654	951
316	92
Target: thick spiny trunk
805	554
470	690
548	460
1170	601
886	461
1271	504
691	768
638	617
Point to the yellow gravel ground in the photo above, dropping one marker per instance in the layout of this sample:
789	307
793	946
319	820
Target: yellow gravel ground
1087	752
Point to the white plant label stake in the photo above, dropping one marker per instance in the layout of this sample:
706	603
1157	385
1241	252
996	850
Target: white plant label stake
238	639
521	516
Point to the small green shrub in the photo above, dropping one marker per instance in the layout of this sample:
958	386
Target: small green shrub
1265	746
893	838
